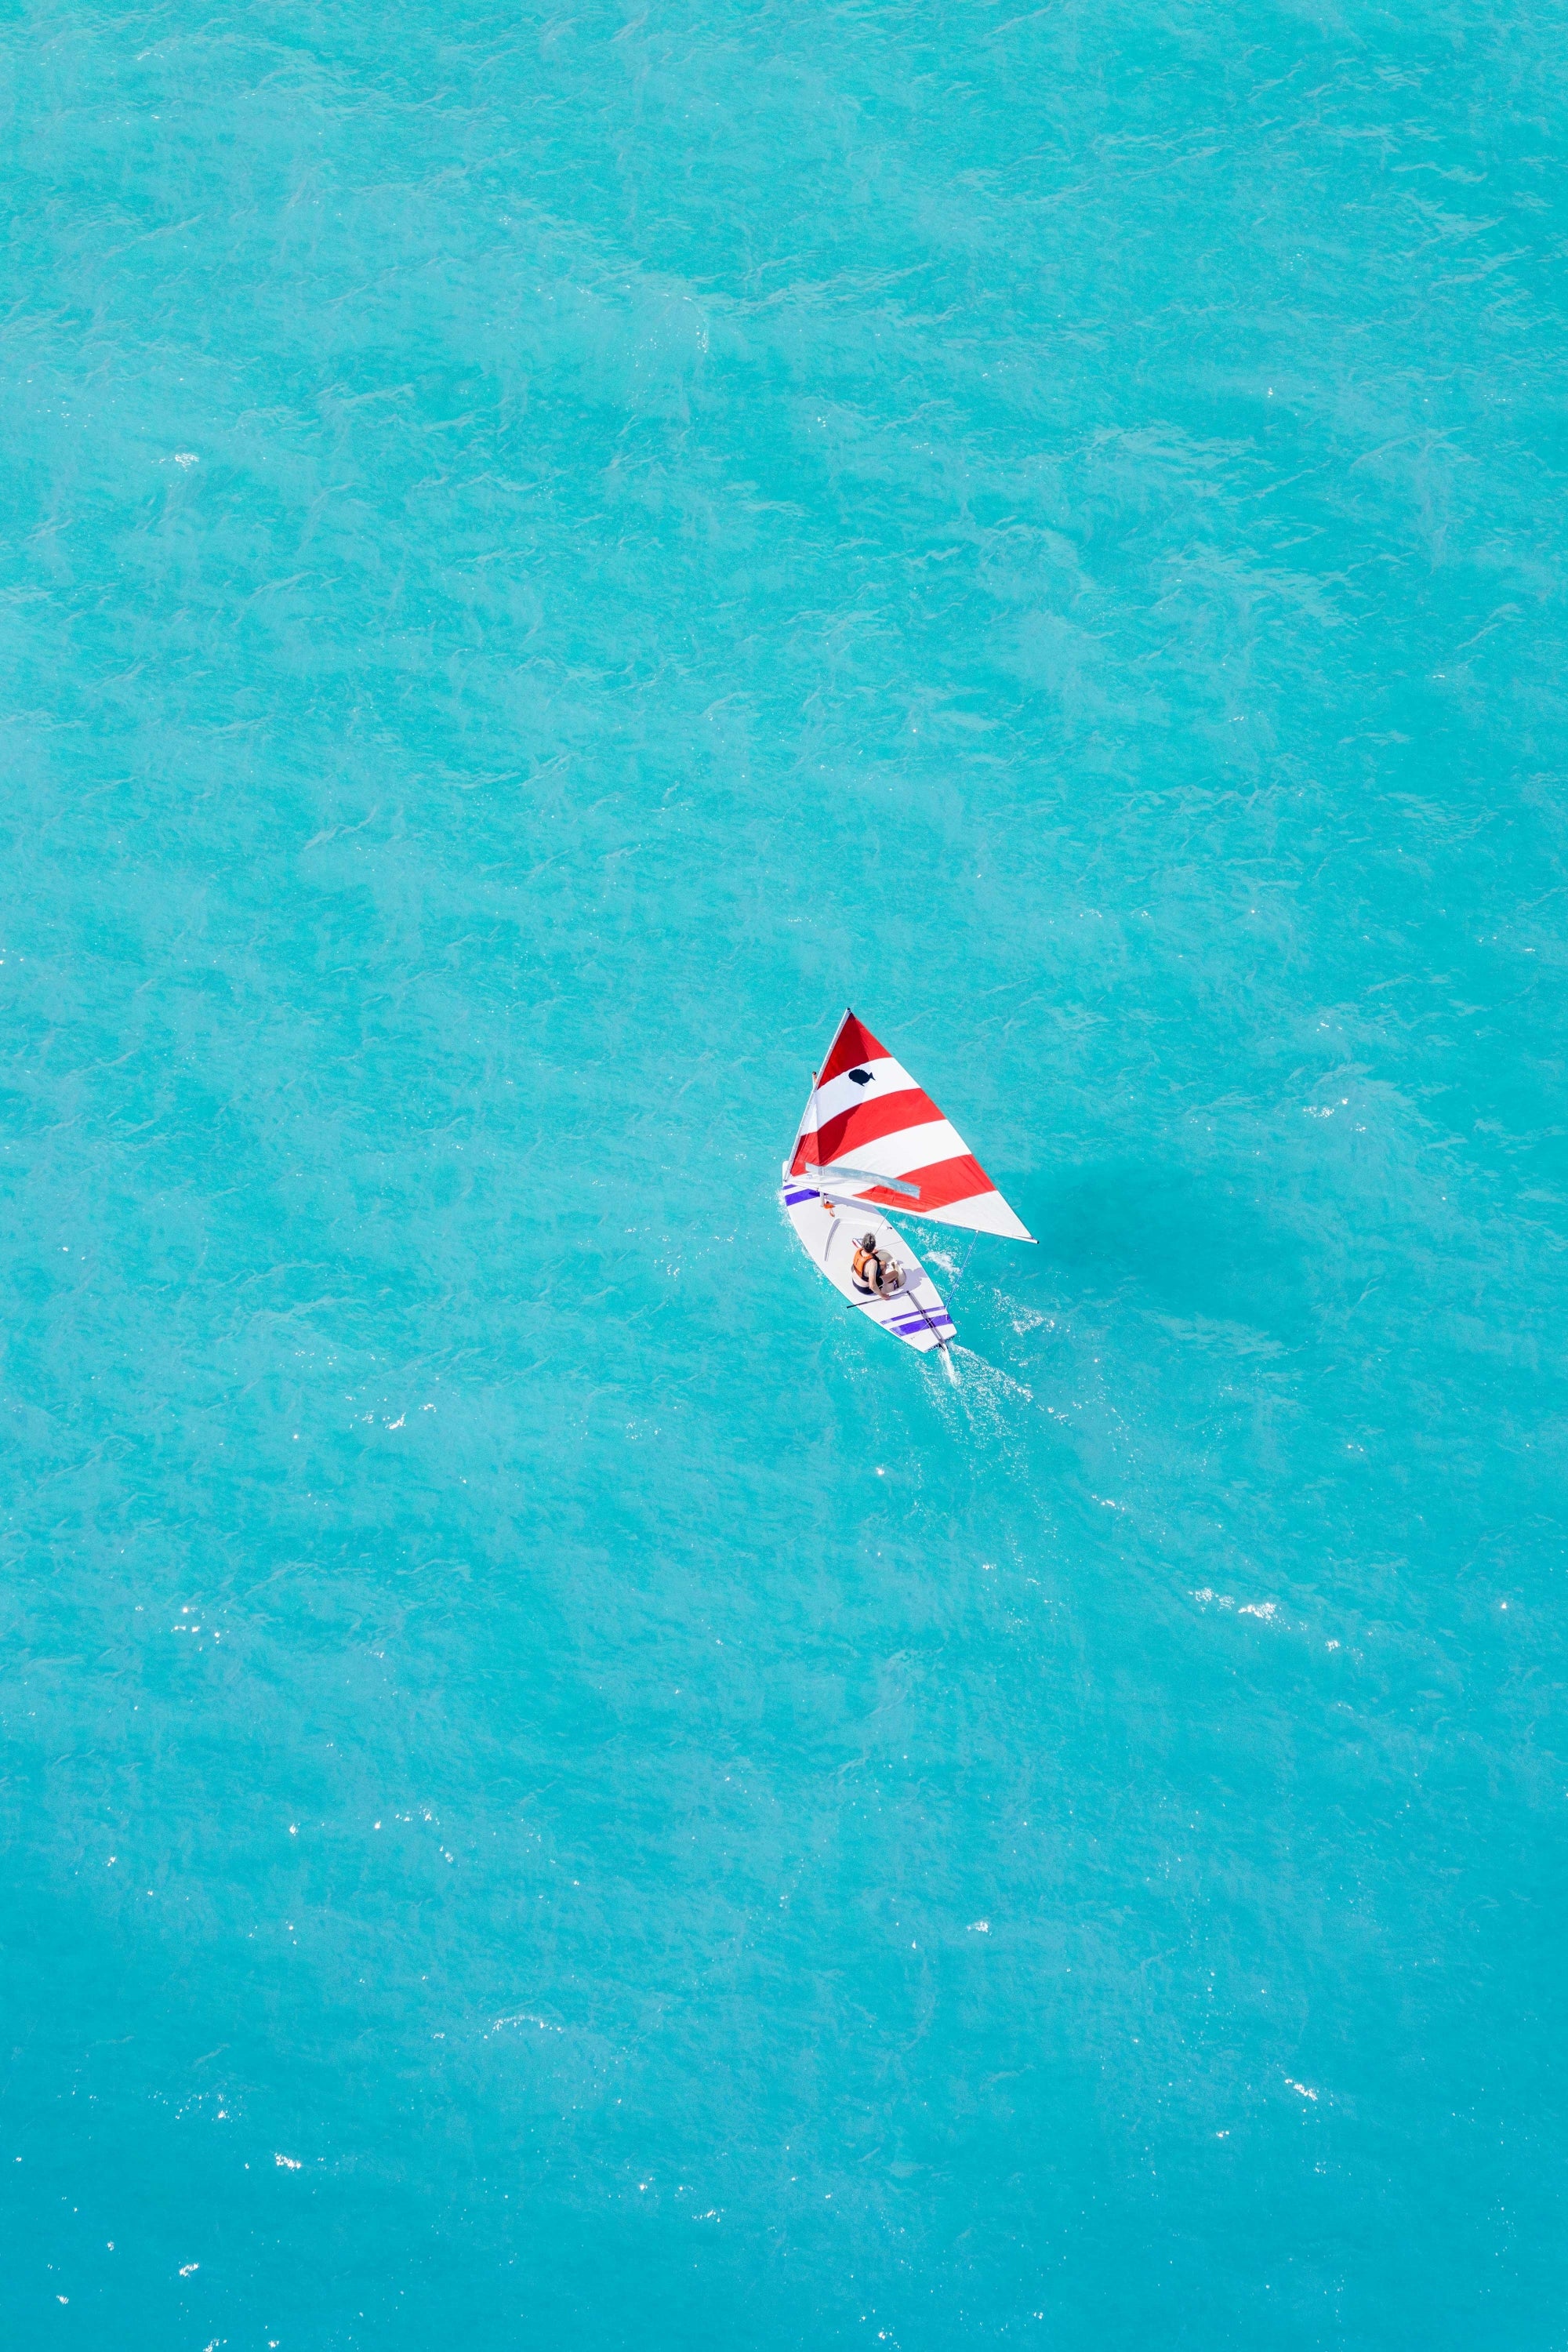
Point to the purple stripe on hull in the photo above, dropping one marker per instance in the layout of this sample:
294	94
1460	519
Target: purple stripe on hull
792	1198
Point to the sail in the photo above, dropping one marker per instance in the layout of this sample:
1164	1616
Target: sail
867	1119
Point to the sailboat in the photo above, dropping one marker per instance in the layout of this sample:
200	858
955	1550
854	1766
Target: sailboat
872	1140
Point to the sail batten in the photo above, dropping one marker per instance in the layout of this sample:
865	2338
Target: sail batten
867	1117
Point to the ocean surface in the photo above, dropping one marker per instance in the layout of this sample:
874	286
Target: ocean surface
558	1790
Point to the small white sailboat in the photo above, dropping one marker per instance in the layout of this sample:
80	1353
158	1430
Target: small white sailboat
872	1140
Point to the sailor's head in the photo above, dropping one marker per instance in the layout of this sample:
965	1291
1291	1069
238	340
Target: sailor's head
867	1241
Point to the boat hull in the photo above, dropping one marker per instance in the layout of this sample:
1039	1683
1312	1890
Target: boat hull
828	1230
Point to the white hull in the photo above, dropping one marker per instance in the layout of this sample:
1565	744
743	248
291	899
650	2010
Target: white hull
828	1230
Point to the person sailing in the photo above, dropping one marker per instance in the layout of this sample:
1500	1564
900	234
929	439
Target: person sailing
874	1274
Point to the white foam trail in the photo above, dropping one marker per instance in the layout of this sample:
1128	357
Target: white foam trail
987	1401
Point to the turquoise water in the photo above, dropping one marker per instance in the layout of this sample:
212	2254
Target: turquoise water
559	1790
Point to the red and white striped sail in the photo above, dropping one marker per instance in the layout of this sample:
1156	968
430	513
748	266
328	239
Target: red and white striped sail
867	1115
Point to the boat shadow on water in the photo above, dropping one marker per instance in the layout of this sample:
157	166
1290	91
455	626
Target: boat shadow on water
1190	1248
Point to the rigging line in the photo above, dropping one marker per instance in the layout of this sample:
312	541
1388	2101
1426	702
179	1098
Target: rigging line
968	1253
931	1326
910	1294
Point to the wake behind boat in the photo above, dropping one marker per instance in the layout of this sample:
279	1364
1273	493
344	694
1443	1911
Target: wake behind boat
872	1140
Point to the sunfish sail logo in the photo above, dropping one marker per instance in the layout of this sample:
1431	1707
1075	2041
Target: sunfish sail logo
862	1077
